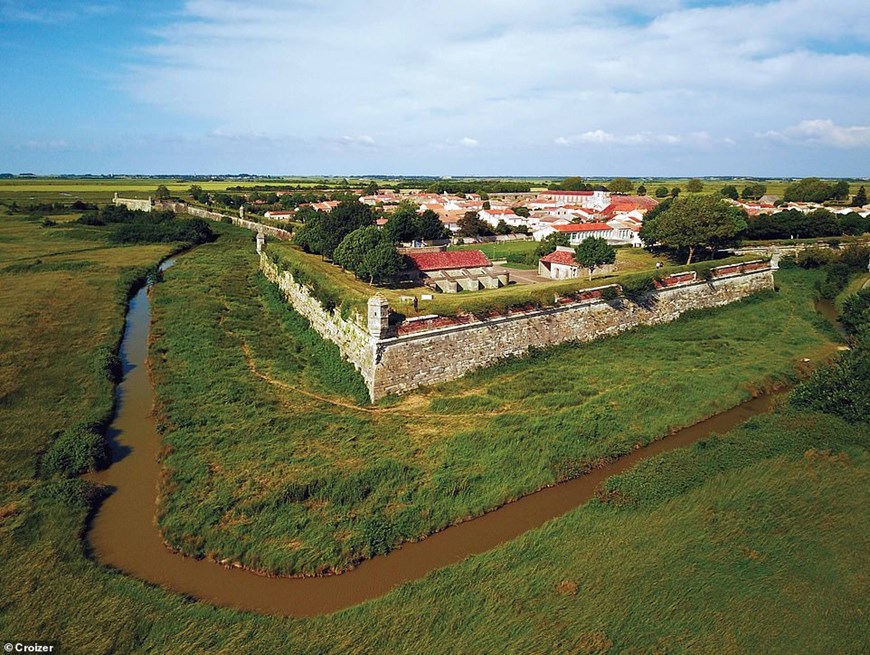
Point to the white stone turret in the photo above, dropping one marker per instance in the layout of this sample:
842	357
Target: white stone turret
261	243
379	316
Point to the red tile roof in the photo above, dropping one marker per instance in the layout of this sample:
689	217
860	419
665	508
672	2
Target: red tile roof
583	227
560	257
438	261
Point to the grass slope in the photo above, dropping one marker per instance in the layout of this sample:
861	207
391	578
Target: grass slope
335	483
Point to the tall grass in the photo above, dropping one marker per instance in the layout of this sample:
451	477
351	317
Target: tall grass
341	484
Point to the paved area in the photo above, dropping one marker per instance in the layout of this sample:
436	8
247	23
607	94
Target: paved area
522	276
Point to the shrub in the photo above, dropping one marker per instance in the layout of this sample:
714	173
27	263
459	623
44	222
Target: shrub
856	312
107	364
841	388
638	285
78	449
90	218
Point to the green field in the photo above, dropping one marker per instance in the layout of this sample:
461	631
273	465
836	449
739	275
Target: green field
755	542
417	464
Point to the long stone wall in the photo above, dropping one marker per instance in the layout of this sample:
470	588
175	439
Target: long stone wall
354	342
405	363
397	364
274	232
133	204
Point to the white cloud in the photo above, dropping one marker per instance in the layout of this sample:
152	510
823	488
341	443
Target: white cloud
384	81
600	137
822	132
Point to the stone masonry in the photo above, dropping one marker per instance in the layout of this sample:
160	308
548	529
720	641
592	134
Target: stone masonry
395	365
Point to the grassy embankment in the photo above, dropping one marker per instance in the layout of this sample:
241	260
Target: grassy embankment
749	543
337	288
335	483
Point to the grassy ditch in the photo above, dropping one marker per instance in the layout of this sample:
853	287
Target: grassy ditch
249	395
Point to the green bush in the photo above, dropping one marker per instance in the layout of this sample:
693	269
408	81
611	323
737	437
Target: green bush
107	364
78	449
637	285
841	388
856	312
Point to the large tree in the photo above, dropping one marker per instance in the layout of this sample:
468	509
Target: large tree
729	191
860	198
381	263
620	185
402	225
572	184
594	252
471	225
809	189
695	221
840	190
429	226
323	231
694	185
353	248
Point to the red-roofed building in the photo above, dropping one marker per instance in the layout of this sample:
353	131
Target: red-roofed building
453	271
448	260
628	204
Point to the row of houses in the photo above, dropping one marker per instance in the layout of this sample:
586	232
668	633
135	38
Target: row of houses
580	214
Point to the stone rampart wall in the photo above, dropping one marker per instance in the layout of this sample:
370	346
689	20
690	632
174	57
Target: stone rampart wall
353	341
405	363
397	364
199	212
133	204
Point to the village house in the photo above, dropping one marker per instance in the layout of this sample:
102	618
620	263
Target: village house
280	215
616	235
561	265
494	216
597	200
453	271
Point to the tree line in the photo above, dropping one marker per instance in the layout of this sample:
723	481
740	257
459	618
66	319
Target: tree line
349	237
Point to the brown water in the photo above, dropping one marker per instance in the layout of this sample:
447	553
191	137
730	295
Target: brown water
123	534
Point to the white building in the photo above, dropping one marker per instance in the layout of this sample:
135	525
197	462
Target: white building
596	200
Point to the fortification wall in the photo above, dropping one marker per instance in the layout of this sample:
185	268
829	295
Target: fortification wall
199	212
397	364
354	342
405	363
133	204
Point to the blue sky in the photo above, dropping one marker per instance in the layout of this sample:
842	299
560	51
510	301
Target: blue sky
471	87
